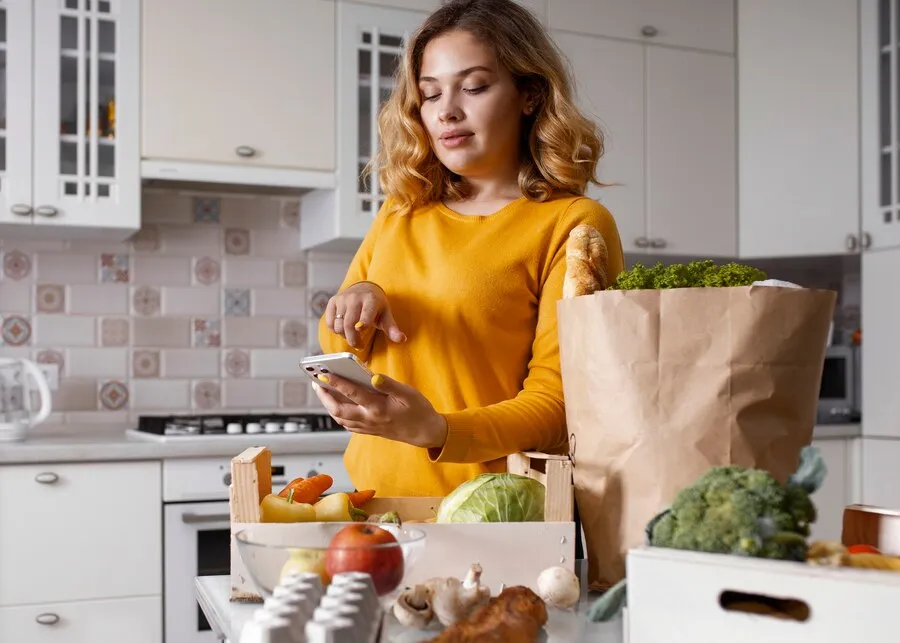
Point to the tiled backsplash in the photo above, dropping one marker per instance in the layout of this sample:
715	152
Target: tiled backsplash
210	306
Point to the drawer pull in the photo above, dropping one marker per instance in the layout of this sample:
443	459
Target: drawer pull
21	209
47	618
47	211
47	478
245	151
194	519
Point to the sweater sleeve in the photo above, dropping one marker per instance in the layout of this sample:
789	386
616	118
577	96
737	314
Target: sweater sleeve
535	419
331	342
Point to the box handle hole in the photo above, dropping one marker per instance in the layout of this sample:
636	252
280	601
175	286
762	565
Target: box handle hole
788	609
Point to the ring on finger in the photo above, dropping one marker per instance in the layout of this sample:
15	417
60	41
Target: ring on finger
339	316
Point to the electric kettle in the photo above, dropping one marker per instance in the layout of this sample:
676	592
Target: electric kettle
21	381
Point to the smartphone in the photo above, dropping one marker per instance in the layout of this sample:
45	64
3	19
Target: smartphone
345	365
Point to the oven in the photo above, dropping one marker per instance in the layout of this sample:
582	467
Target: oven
197	530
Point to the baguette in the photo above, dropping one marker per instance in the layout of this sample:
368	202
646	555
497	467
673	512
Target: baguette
586	259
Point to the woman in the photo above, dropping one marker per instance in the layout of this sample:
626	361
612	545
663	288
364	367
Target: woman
451	298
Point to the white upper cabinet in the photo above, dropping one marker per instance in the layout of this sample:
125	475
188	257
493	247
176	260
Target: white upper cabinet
698	24
880	104
371	41
690	142
237	90
537	7
609	76
798	75
71	153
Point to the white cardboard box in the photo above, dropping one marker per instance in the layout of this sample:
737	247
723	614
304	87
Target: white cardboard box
674	596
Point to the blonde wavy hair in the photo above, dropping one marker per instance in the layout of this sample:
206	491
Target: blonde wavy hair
560	146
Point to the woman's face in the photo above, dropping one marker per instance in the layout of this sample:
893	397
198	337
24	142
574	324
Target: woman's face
471	108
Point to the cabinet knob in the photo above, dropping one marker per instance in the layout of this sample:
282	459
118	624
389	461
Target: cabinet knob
866	241
649	31
642	242
658	243
21	209
226	479
46	211
245	151
47	618
47	478
851	242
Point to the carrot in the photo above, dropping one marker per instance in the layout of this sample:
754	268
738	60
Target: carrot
359	498
308	490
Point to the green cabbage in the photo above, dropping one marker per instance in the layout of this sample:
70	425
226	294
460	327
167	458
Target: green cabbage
494	497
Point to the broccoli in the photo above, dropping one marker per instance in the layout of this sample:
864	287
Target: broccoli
695	274
736	510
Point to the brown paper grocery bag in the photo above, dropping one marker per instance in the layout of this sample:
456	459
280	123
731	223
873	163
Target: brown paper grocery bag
660	385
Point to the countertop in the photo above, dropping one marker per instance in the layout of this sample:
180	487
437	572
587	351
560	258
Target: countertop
89	443
76	443
227	619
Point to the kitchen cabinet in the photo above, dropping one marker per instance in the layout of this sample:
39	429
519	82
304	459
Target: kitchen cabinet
669	119
69	159
697	24
371	40
880	349
79	532
838	489
136	620
264	109
537	7
799	127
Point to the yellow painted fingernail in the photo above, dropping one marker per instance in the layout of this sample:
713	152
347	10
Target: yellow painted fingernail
323	378
359	325
377	381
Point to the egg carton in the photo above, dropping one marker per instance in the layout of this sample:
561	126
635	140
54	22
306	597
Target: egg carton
301	611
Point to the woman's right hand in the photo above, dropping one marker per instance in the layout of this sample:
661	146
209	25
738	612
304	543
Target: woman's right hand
361	306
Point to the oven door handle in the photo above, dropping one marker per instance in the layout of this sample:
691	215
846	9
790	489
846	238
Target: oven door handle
194	519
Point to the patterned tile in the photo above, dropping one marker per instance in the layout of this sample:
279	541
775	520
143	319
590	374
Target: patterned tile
237	363
114	332
15	330
207	271
146	300
207	333
237	302
293	333
114	395
294	394
145	363
114	268
237	241
290	215
50	298
207	210
318	301
293	273
16	264
146	239
50	356
207	395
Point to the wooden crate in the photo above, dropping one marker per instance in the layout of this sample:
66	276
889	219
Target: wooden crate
510	553
869	525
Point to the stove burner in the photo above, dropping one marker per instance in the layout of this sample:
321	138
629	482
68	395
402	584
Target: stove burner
238	424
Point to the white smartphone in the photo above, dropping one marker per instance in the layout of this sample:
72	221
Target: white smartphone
345	365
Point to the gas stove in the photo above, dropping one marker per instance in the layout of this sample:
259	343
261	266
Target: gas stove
220	425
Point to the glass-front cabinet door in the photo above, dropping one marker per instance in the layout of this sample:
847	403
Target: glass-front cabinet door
86	125
15	112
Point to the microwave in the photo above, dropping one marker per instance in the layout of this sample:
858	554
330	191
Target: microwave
840	394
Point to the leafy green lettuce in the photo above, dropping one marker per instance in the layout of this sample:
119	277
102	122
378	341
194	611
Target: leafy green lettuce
494	497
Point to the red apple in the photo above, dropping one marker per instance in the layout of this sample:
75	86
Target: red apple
366	547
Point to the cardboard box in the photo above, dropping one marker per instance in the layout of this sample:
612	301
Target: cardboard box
510	553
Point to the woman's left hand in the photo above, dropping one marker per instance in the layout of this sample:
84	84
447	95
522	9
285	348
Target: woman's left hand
399	412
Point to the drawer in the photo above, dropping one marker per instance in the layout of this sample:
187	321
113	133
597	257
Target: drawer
80	531
136	620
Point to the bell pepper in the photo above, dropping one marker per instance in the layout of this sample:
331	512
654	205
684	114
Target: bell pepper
275	508
336	507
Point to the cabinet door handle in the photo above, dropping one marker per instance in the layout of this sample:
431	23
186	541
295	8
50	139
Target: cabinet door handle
642	242
245	151
47	618
649	31
46	211
851	242
191	518
658	243
47	477
21	209
866	240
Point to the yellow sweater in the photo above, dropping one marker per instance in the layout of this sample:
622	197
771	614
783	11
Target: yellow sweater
476	297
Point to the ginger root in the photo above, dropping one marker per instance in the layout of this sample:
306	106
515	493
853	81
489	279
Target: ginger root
448	599
586	257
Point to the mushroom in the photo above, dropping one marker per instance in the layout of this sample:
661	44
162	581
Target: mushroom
453	600
559	587
413	607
